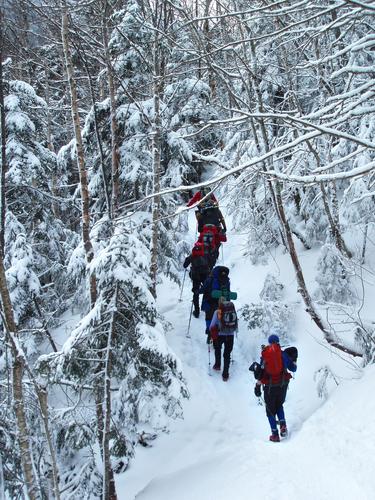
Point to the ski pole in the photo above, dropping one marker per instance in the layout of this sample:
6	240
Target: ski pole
191	311
222	253
182	288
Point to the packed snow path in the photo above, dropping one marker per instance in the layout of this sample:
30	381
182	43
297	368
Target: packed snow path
220	451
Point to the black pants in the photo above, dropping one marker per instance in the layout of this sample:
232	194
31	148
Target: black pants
227	340
274	397
197	282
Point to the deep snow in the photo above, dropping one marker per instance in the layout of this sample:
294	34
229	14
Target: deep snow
220	450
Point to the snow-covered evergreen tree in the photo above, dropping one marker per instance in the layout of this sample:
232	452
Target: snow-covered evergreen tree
124	328
334	277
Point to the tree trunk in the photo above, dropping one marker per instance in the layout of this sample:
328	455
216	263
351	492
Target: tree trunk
18	396
156	139
43	404
85	202
3	140
8	316
302	289
109	486
115	158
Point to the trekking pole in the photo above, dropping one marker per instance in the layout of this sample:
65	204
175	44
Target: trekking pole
222	253
209	358
188	330
182	288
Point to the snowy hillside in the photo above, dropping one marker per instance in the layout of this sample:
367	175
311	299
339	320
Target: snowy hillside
220	451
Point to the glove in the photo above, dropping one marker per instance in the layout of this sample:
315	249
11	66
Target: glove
257	391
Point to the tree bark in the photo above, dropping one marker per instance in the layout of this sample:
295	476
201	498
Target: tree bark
302	289
18	396
3	139
115	157
156	139
8	316
85	201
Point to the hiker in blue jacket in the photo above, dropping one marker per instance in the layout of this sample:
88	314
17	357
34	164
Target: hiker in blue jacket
218	280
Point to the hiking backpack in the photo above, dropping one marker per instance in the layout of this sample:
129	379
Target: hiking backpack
200	262
273	363
210	214
229	320
209	236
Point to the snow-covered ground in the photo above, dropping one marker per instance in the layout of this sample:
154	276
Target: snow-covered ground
220	450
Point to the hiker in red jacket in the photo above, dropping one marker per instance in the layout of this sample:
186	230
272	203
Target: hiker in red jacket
275	378
208	211
204	191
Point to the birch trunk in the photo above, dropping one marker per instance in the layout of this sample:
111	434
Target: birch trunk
10	325
85	202
18	396
109	486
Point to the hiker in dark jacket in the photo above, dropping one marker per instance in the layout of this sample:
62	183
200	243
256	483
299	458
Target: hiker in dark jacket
223	326
275	377
210	213
217	280
199	263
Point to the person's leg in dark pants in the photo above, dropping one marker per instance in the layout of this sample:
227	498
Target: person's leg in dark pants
280	411
195	290
272	398
217	347
228	347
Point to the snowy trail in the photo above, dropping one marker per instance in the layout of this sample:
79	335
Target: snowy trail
220	451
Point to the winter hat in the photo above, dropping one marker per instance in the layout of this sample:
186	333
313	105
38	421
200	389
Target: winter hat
273	339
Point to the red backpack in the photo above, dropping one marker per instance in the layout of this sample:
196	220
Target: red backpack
198	250
209	236
273	363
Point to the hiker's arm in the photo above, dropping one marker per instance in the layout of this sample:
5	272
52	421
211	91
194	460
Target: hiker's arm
187	262
214	326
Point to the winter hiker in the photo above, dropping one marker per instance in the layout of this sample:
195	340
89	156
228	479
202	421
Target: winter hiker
274	377
204	191
224	325
199	260
212	239
217	280
209	213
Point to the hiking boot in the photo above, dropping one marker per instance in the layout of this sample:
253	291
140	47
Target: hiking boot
283	430
225	376
274	437
196	313
216	367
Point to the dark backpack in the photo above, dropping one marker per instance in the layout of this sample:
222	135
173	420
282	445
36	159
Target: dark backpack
199	267
228	320
210	214
292	353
